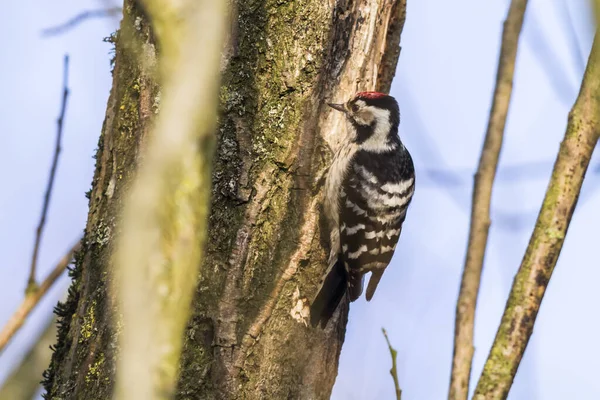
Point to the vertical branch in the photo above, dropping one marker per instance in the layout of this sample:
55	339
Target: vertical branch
164	222
547	238
31	283
393	370
480	211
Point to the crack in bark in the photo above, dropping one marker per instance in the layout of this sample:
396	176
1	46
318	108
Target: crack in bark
302	252
226	325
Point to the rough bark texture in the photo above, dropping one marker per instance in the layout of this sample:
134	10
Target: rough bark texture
480	209
547	238
247	337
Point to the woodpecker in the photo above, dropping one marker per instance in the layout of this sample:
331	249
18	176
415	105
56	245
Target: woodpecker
368	189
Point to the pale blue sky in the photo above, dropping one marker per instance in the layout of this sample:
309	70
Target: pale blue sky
444	82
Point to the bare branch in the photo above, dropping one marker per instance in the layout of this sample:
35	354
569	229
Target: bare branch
547	238
31	284
24	381
480	211
32	298
394	370
80	18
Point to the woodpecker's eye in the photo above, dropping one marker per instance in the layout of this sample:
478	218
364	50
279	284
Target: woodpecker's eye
354	107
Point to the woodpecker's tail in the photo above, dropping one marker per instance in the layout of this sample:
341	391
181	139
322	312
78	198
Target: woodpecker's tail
373	282
336	284
332	290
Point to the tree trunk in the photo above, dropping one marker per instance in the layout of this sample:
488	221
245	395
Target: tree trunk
247	337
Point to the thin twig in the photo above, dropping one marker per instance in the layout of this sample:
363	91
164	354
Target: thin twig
547	238
393	370
480	211
31	284
32	298
80	18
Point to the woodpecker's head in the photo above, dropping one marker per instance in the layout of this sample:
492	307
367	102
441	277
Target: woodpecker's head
373	120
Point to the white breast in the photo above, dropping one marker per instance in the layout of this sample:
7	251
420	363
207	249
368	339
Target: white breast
335	178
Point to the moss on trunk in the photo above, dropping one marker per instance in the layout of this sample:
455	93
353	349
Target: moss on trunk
246	338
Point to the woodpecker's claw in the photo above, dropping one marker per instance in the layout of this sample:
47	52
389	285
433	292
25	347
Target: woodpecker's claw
339	107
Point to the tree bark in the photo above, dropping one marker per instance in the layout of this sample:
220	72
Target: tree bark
266	251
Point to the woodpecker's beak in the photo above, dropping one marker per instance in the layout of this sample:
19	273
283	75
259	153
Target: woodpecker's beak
339	107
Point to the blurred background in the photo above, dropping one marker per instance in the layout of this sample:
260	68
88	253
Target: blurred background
444	86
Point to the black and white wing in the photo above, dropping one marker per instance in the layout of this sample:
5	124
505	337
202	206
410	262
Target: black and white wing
372	212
